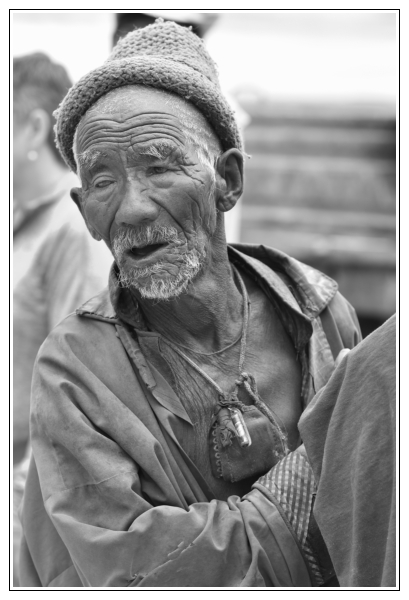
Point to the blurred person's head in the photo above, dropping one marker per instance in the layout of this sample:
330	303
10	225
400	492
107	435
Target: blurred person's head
198	22
39	85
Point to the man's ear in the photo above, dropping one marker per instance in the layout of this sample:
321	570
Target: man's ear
76	195
229	170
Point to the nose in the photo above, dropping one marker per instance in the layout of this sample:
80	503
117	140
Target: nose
136	207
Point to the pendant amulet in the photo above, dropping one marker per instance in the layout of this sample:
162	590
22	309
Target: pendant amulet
240	426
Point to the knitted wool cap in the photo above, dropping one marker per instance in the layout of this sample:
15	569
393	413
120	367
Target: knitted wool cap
165	56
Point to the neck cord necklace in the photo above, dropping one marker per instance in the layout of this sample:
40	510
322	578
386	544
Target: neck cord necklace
230	400
173	343
243	337
243	332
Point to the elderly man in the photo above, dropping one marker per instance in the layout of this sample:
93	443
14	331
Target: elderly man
157	408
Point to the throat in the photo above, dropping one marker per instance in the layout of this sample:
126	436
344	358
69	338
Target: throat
206	319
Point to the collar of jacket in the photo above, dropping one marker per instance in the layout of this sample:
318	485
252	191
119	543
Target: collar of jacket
302	289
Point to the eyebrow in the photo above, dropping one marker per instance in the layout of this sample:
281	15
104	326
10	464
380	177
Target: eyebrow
159	149
155	149
89	158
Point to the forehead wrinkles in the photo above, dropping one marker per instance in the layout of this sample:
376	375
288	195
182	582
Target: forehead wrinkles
136	129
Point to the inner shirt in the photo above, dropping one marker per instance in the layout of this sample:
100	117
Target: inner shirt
199	397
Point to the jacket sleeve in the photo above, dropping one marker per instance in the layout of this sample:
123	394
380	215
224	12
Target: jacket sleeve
96	515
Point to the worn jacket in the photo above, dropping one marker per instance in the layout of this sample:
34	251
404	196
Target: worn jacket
111	497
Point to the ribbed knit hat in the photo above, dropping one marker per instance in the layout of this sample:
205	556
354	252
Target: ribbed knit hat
164	56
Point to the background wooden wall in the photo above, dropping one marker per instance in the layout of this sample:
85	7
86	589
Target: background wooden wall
320	185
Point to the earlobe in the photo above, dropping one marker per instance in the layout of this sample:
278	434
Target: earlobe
40	127
230	170
94	234
76	195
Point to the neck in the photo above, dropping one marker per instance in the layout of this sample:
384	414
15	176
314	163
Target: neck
37	178
208	316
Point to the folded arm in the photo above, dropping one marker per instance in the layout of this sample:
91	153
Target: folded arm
104	505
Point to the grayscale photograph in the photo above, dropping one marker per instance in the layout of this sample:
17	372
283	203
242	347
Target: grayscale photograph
204	299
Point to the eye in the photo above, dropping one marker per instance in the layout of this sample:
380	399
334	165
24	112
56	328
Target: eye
103	183
158	170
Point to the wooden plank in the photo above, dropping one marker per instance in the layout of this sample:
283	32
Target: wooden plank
281	182
321	164
309	246
319	220
314	141
351	115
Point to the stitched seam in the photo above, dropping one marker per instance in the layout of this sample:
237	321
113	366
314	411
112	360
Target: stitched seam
83	485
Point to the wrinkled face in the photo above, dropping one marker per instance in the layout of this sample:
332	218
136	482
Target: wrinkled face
144	190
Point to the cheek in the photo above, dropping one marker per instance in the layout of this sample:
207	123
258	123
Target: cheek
189	205
100	216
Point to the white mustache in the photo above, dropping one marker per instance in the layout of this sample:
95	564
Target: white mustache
128	237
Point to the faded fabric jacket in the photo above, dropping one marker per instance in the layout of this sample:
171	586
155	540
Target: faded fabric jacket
112	499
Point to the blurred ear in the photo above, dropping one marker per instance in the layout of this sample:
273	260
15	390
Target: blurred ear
40	124
229	179
76	195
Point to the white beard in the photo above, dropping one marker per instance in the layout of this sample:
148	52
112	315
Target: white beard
158	288
154	282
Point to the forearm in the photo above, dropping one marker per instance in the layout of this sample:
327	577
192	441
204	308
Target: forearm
122	513
228	544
